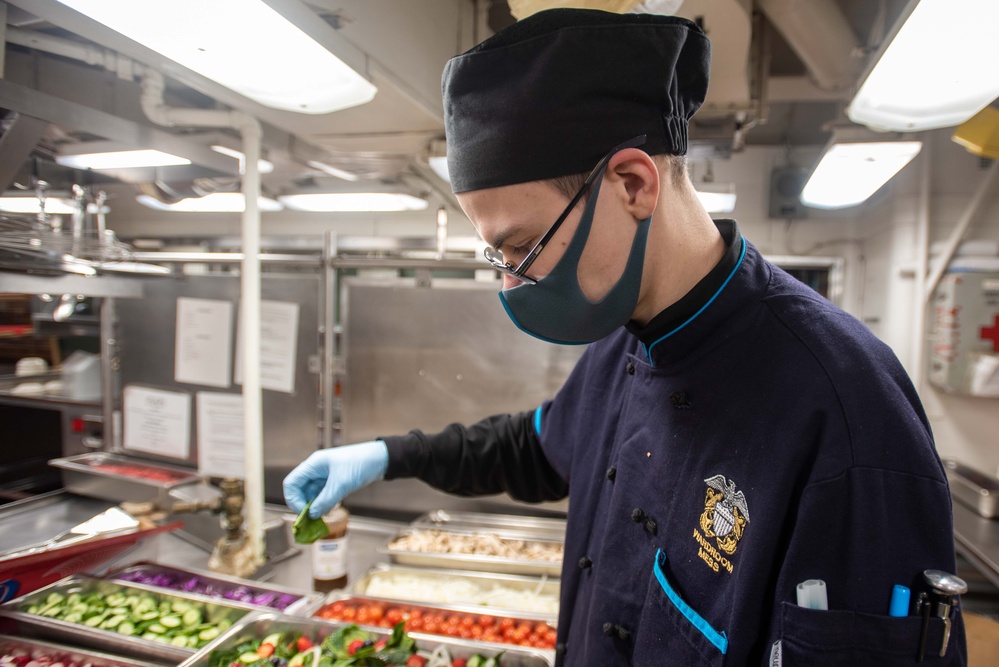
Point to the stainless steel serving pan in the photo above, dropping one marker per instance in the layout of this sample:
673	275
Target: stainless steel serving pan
304	604
316	630
975	489
533	585
107	640
84	656
457	561
80	476
549	530
429	607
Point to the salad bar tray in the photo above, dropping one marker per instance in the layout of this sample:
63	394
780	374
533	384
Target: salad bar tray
551	530
203	584
118	617
483	551
256	640
120	479
22	651
492	593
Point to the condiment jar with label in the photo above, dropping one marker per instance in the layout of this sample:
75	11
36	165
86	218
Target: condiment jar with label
329	555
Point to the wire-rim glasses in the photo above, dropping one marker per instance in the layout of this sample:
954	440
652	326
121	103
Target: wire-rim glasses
495	258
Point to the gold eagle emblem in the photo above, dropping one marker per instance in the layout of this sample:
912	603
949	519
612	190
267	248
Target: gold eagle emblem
726	513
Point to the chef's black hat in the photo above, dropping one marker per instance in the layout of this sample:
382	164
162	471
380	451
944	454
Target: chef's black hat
551	94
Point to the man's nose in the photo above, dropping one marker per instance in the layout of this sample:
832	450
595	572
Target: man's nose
509	281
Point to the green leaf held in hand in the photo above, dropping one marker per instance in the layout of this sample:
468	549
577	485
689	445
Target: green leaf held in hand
307	530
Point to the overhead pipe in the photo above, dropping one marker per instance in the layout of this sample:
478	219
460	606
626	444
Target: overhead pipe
957	235
819	33
249	128
917	355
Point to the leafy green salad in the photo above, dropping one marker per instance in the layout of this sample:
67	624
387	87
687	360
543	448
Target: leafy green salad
349	646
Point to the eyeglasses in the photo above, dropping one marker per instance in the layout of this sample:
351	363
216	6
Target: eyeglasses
520	271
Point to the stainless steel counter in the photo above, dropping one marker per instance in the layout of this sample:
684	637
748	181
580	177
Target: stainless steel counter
43	517
977	539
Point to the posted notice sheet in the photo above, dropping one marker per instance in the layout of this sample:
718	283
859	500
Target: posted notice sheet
157	421
220	434
204	342
278	346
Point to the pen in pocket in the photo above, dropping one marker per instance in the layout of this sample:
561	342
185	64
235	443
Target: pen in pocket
899	605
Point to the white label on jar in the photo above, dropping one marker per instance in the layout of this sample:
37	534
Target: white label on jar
329	558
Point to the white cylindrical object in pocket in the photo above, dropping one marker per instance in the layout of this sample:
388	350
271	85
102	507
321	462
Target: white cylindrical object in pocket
812	594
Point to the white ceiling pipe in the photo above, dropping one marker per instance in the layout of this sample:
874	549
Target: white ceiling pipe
960	229
249	128
87	53
819	33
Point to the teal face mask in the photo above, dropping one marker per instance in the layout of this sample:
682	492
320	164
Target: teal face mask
555	308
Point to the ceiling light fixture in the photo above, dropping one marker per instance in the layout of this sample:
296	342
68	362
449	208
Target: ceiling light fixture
354	202
715	197
244	45
263	166
438	164
330	170
851	171
218	202
937	71
53	205
118	159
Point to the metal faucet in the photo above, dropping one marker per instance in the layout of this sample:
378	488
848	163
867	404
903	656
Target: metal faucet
232	553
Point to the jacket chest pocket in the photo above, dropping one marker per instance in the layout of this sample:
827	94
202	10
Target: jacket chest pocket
821	638
671	632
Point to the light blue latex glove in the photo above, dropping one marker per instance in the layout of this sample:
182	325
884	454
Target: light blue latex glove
330	474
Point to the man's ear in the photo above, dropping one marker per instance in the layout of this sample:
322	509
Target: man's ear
635	176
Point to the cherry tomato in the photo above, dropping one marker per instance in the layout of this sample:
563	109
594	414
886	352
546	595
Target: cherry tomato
506	624
486	621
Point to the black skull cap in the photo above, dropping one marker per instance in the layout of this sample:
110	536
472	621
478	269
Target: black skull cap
551	94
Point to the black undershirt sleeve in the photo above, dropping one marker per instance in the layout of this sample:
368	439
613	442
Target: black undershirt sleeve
499	454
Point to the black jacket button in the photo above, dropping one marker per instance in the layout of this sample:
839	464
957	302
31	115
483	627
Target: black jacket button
585	563
560	648
630	368
638	515
680	400
650	525
611	473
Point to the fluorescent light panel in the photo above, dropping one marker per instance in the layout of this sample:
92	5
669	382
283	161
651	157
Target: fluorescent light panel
716	202
121	160
330	170
53	205
244	45
439	166
849	173
938	71
343	202
219	202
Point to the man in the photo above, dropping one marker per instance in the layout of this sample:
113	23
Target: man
728	435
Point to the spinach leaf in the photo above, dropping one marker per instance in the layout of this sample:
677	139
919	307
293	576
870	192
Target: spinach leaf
307	530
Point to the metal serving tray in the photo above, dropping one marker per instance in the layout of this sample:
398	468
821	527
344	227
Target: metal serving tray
475	562
316	630
485	580
425	609
107	640
975	489
83	656
549	530
304	602
81	477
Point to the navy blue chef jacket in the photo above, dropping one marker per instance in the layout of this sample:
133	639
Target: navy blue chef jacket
751	437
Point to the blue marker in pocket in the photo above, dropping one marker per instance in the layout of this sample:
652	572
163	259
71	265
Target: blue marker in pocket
899	605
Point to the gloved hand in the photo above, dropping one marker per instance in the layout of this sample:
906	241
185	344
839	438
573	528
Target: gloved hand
330	474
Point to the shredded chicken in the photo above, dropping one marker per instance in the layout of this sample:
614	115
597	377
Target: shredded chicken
479	544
